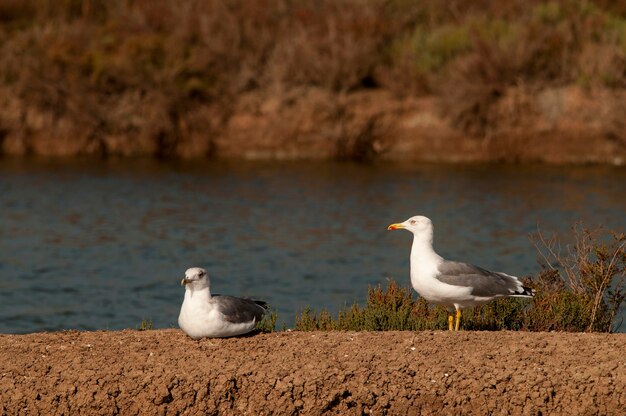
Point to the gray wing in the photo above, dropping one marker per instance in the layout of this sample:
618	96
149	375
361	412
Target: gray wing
238	310
483	282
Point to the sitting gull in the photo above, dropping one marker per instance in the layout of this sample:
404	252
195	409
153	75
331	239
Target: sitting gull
451	283
203	315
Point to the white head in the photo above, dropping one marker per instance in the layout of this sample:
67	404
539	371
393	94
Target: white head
420	226
195	278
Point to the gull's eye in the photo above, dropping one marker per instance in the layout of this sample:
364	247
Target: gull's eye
412	222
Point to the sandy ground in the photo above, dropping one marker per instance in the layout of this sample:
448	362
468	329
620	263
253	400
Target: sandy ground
396	373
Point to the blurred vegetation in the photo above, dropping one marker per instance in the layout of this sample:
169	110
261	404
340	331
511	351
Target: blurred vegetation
149	67
145	325
581	291
268	323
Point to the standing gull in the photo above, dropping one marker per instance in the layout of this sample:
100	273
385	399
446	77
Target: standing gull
451	283
203	315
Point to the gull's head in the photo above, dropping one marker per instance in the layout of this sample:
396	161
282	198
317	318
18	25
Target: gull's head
195	278
418	225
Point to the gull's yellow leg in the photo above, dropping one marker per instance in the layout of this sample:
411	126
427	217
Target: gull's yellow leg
450	321
458	319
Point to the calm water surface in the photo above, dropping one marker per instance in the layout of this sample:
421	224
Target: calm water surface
103	245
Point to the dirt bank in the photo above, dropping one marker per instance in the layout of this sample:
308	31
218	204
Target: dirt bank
566	125
560	125
164	372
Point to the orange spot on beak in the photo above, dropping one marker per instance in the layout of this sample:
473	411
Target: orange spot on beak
395	227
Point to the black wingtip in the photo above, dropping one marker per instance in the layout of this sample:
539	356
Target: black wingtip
527	291
262	304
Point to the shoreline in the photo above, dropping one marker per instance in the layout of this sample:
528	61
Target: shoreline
560	126
430	372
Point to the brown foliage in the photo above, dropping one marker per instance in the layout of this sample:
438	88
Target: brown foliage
583	284
125	73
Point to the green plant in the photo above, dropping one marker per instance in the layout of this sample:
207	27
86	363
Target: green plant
268	323
394	308
435	48
146	324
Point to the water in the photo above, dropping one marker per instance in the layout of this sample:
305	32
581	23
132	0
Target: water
103	245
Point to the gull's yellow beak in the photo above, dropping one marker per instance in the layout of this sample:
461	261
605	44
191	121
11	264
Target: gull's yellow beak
397	226
184	281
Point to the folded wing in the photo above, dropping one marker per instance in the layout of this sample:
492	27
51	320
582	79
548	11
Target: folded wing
482	282
239	310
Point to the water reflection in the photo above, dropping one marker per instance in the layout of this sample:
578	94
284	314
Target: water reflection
103	245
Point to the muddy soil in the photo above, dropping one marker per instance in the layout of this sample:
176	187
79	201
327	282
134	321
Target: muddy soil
165	372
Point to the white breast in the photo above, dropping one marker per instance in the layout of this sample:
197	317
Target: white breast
424	268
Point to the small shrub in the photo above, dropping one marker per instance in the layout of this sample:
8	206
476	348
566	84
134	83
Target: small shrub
308	320
394	308
146	324
436	48
556	308
581	287
268	323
